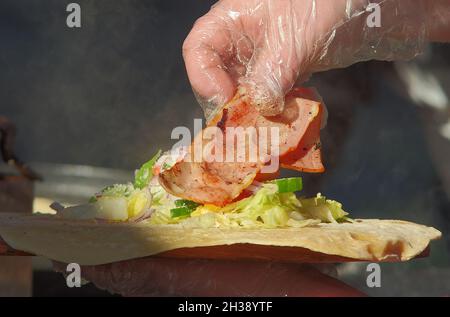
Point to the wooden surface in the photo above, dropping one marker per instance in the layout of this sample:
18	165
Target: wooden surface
6	250
16	195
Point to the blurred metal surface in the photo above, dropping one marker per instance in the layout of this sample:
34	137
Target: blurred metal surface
74	184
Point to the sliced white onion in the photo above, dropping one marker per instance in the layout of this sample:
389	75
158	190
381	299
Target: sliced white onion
142	216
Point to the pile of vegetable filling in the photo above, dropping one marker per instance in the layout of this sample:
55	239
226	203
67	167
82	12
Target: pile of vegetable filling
270	205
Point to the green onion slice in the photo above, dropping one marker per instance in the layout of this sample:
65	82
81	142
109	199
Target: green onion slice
289	185
186	203
180	212
183	208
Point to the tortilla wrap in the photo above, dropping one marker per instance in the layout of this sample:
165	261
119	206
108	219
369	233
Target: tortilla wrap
91	243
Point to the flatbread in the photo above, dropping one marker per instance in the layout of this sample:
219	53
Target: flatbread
91	243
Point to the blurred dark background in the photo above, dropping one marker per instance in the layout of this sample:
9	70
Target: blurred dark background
106	94
101	99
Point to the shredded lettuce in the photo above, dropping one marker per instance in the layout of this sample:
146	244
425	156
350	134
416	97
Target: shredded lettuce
114	191
118	202
326	210
267	208
162	203
160	196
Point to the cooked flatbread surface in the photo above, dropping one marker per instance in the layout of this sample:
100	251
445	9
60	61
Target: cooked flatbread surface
93	243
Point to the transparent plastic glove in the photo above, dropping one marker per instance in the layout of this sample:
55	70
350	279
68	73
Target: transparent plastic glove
265	46
172	277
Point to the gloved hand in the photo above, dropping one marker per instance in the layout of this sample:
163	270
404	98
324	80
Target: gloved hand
174	277
266	45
